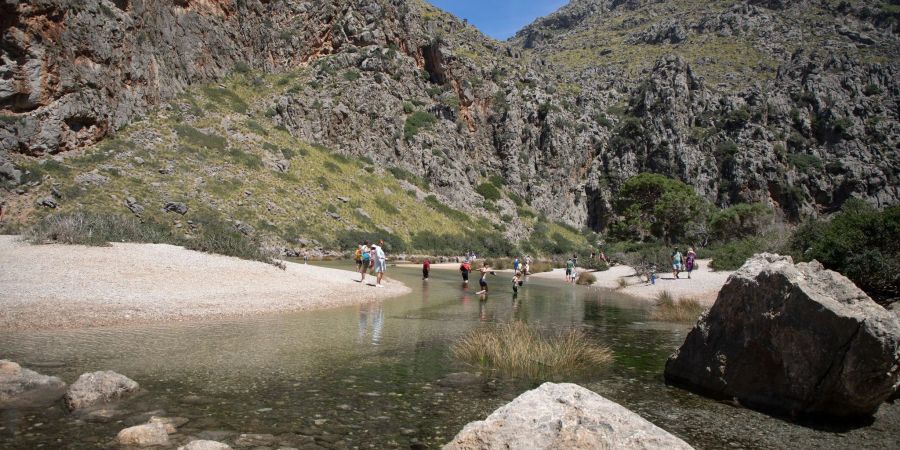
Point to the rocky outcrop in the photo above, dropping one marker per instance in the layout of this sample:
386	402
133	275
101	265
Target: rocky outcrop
796	339
24	388
99	387
556	416
147	435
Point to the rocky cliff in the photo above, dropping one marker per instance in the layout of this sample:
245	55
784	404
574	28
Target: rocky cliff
790	103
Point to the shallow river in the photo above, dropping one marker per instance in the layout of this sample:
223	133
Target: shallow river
367	376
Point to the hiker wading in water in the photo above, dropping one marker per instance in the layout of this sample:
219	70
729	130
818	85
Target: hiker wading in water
485	270
380	263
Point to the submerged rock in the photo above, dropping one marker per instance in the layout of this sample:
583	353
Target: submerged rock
99	387
458	379
204	445
171	424
556	416
144	435
796	339
20	387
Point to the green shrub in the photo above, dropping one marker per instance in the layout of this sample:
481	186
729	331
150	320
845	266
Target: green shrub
408	107
247	159
872	89
89	228
254	126
386	206
860	242
225	97
804	162
733	254
417	121
657	206
332	167
489	191
351	75
741	220
193	136
403	174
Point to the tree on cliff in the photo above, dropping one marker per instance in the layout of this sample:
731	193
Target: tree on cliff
652	205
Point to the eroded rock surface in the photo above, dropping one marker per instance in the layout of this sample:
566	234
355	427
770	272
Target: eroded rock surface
558	416
797	339
99	387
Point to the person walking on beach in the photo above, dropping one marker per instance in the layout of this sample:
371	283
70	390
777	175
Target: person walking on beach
426	268
464	270
569	267
527	265
689	261
516	264
485	270
676	262
365	260
380	263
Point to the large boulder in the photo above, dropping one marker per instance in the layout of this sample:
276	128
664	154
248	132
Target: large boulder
99	387
796	339
20	387
556	416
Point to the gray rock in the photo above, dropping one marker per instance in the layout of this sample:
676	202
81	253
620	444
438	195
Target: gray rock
343	199
797	339
557	416
8	172
333	215
458	379
91	178
176	207
171	424
22	388
146	435
99	387
244	228
204	445
134	206
48	202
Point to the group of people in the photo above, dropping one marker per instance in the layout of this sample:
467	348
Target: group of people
683	263
520	269
371	258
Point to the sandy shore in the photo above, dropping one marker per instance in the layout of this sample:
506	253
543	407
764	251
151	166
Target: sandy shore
60	286
704	284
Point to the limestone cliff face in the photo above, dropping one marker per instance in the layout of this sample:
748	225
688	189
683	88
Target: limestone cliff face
791	104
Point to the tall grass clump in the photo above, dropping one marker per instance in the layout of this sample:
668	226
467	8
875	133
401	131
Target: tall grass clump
517	350
586	279
88	228
669	309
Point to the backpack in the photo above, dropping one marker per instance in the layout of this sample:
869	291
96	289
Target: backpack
365	256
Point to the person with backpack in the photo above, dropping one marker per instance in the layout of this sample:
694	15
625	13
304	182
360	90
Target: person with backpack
365	260
676	262
570	266
464	270
426	268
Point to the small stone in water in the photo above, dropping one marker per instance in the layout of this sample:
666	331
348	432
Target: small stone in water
263	409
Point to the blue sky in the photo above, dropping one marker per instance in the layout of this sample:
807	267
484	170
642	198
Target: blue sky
499	19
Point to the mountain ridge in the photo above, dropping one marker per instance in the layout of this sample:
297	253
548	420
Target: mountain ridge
562	121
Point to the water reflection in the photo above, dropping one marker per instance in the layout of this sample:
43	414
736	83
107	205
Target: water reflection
374	313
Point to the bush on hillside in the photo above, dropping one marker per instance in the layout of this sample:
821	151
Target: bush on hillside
488	191
741	220
415	122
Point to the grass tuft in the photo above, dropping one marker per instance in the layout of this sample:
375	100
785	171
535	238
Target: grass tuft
586	279
669	309
517	350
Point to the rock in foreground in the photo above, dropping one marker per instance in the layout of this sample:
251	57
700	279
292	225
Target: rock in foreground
797	339
556	416
99	387
25	388
152	434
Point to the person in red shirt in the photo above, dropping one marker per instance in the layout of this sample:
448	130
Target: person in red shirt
426	267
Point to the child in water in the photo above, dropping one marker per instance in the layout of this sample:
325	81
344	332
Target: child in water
516	282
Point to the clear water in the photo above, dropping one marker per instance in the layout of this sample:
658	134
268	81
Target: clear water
366	376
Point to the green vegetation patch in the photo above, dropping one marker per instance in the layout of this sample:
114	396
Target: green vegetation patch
195	137
225	97
417	121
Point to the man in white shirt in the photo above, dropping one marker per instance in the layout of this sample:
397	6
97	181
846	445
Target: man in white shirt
380	263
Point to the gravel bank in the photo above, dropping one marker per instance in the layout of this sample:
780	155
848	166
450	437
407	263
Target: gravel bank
704	284
60	286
